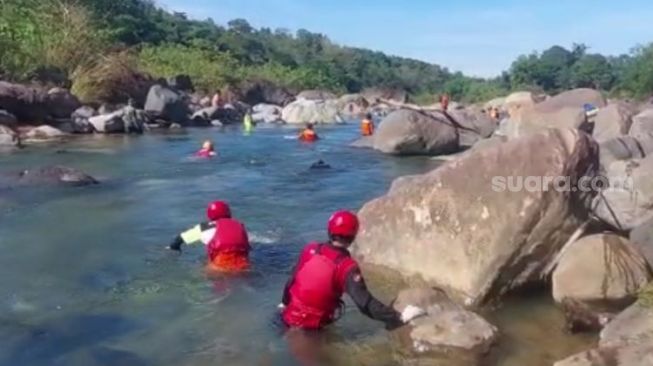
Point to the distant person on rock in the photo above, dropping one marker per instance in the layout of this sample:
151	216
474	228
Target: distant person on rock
226	240
308	134
444	102
217	101
312	297
367	125
207	150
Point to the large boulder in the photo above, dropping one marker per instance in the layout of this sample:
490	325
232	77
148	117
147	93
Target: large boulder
166	104
125	120
473	126
43	133
625	148
461	228
533	120
316	95
629	203
181	83
613	121
353	105
61	103
642	238
264	92
518	101
229	114
80	120
267	113
598	275
31	105
642	126
633	325
8	138
446	328
49	175
409	132
313	111
575	98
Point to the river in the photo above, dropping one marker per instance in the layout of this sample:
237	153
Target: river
85	279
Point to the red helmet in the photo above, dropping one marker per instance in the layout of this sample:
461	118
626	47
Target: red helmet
218	210
343	223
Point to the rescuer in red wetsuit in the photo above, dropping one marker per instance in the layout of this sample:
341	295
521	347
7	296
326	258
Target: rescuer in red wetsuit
226	240
324	272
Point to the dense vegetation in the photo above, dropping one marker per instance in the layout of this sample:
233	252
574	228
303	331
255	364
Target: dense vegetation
59	40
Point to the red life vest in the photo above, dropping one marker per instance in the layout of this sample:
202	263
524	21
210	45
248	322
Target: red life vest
204	153
316	291
367	127
230	237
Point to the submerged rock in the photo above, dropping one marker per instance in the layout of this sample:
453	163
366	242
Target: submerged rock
47	176
633	325
635	355
320	165
446	328
462	230
598	276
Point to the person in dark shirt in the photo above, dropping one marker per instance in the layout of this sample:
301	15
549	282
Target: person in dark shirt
312	297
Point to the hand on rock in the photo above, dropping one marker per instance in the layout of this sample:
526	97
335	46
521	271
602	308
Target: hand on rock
281	306
411	312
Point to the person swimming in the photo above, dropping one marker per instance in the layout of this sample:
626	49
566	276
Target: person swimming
308	134
207	150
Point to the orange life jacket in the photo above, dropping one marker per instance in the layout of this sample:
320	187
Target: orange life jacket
308	135
367	127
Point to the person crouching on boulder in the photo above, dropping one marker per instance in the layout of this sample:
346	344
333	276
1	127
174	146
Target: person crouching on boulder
308	134
226	240
312	297
207	150
367	126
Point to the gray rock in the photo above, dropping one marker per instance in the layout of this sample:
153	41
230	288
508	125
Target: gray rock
629	203
50	175
408	132
108	123
316	95
44	132
473	126
365	142
613	121
267	113
313	111
635	355
642	124
642	238
8	138
167	104
36	105
446	328
633	325
625	148
459	230
182	83
598	276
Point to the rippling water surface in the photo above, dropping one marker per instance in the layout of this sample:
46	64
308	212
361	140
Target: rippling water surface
84	279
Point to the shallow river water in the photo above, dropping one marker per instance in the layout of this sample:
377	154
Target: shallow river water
84	278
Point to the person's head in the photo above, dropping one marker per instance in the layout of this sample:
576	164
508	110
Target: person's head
207	145
343	228
131	102
369	116
309	126
218	210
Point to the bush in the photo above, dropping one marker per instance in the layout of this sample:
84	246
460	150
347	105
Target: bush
209	71
111	79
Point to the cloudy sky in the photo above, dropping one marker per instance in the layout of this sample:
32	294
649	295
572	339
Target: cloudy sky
477	37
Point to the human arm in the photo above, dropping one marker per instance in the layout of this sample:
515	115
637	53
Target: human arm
356	288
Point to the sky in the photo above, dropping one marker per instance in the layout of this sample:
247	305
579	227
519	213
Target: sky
477	37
